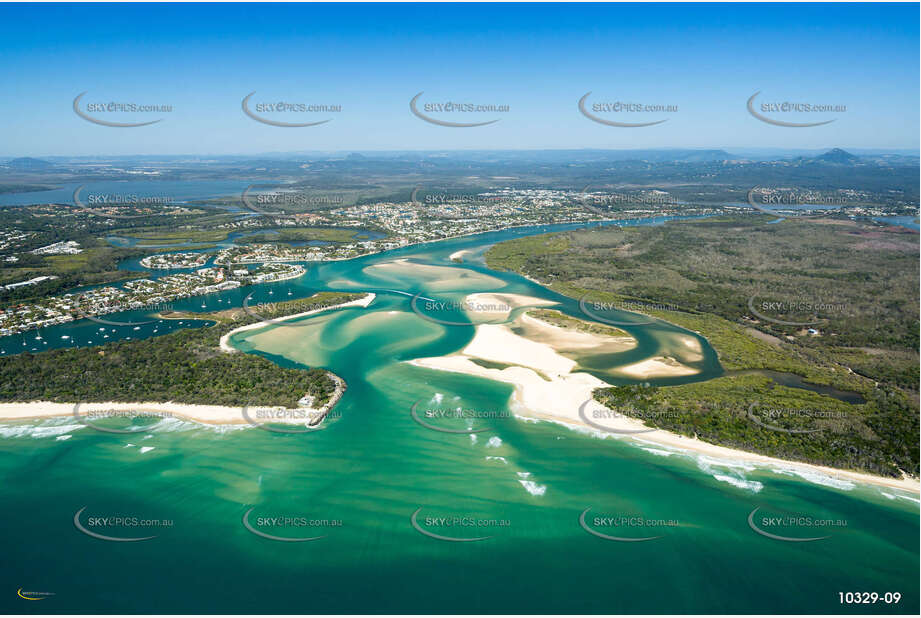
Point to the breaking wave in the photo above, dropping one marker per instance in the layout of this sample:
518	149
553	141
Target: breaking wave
47	429
533	488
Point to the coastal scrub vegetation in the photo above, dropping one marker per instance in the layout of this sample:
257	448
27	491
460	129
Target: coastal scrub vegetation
186	366
701	274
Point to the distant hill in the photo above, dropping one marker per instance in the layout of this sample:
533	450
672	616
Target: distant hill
29	164
841	157
835	156
700	156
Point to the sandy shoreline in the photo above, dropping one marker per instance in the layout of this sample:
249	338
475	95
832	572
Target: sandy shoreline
199	413
686	444
226	347
571	393
207	414
546	388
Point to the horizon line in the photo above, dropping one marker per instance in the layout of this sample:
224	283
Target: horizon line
727	150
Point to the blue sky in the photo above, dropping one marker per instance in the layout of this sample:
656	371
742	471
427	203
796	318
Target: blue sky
538	59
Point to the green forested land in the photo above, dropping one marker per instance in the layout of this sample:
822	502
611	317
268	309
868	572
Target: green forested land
167	235
558	318
302	234
186	366
715	265
879	436
708	269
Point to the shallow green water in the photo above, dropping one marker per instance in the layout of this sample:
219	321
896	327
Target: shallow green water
523	484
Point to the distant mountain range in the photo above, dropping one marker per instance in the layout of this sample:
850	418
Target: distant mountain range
835	156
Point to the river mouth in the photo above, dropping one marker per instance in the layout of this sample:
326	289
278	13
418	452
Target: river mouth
336	276
375	466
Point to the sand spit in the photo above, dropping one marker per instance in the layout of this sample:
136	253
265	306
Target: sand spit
546	388
226	347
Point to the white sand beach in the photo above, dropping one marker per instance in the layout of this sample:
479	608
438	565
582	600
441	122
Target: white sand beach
206	414
658	367
546	388
210	415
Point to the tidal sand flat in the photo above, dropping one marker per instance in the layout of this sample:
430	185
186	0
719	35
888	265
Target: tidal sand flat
225	340
549	386
338	340
529	353
435	278
497	307
547	383
658	367
572	341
